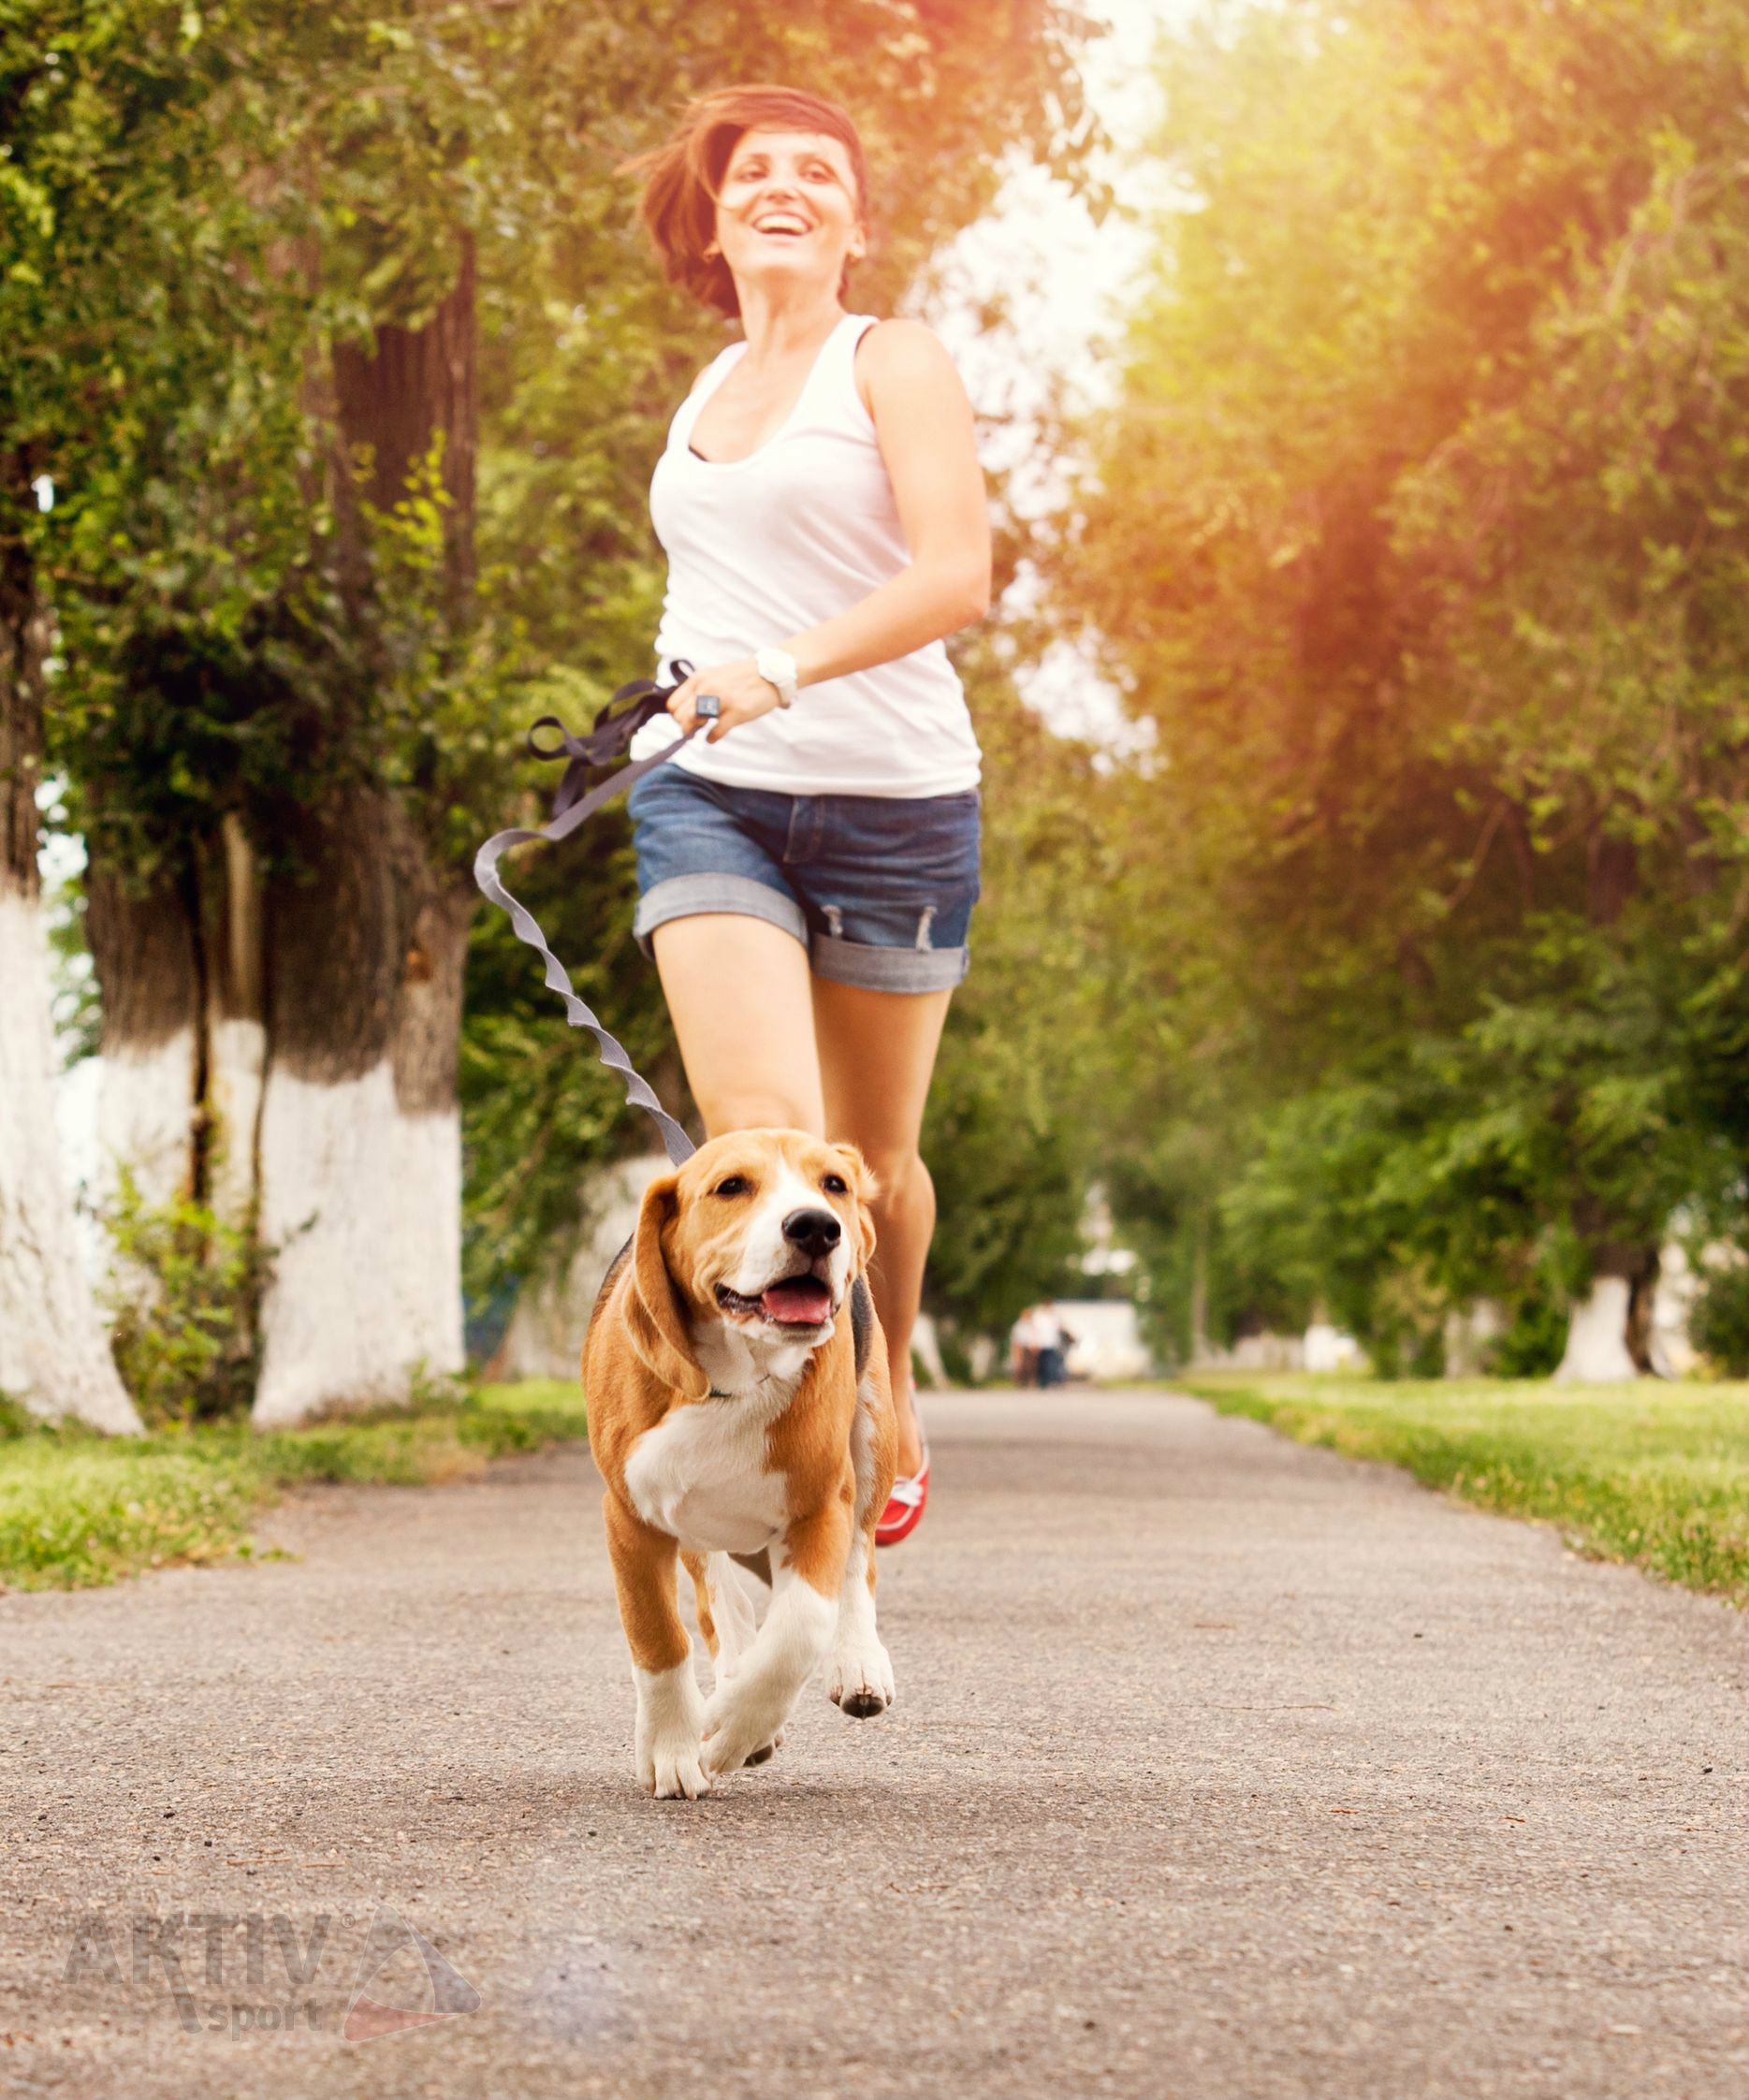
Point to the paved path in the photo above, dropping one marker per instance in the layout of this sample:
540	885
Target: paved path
1220	1768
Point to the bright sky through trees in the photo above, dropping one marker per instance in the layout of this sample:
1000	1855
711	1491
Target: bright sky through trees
1066	284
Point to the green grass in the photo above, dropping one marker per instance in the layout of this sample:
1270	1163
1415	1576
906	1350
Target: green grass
1651	1474
78	1510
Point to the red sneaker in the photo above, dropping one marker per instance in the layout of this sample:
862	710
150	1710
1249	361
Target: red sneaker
905	1506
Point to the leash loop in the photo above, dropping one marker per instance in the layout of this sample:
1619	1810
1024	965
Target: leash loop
635	702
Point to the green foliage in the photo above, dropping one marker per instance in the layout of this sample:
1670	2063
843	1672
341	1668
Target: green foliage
16	1420
1652	1476
1719	1322
1417	531
183	1298
1009	1153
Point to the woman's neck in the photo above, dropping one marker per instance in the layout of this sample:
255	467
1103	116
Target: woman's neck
784	322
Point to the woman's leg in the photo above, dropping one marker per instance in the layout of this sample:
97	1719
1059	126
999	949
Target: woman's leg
738	992
876	1055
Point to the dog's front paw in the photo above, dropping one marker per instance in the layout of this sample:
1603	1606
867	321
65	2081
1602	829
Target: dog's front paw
740	1730
861	1680
674	1769
670	1720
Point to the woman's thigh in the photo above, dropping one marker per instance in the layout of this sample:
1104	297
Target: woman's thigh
877	1052
739	995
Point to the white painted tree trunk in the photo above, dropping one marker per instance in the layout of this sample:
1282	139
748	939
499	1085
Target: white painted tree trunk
1679	1284
1597	1336
1470	1332
54	1354
545	1338
363	1201
143	1112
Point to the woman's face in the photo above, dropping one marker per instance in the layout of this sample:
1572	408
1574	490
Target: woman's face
788	210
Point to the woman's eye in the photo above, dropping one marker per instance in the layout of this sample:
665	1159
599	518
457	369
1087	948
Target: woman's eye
835	1185
732	1185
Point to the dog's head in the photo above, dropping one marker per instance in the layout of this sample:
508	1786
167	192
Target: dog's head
760	1230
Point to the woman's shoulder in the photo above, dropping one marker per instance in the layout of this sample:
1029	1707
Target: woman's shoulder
898	357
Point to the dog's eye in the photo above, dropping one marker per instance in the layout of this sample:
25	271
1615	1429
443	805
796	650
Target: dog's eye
731	1184
835	1185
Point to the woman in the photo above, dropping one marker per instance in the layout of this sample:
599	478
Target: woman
807	867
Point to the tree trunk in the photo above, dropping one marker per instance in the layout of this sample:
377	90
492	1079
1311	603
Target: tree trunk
54	1355
361	1129
1199	1351
1608	1335
285	1045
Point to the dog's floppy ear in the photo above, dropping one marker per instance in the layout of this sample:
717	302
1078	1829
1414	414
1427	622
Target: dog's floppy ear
653	1309
860	1175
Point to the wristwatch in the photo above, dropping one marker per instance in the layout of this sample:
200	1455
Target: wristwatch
777	667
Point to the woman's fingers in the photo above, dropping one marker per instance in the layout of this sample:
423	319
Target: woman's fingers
680	703
739	693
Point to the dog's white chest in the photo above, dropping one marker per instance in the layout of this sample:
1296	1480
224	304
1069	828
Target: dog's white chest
701	1476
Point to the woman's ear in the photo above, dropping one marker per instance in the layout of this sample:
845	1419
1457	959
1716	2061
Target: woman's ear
655	1312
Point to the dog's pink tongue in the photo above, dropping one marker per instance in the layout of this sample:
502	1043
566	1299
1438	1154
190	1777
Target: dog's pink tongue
804	1300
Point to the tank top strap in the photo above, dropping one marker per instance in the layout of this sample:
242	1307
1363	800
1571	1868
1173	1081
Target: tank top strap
836	373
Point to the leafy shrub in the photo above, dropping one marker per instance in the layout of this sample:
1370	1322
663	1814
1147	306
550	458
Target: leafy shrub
16	1419
1719	1324
1534	1340
184	1297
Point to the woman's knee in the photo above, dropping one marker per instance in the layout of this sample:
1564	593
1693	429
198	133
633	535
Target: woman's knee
901	1179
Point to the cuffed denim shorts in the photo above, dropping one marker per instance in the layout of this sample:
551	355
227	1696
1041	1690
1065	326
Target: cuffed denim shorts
878	889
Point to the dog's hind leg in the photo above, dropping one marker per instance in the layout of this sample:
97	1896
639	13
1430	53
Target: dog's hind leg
694	1565
860	1680
727	1617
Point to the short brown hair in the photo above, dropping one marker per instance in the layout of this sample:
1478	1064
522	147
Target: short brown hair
682	178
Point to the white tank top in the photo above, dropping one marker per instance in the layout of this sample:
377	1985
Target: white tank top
763	549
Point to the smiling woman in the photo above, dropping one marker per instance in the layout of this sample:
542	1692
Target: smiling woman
807	866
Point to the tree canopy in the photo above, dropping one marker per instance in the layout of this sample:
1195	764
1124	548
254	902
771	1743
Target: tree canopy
1419	531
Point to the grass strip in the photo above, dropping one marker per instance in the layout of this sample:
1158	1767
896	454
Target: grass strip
1653	1474
78	1510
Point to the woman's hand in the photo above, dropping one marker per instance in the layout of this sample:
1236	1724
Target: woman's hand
745	696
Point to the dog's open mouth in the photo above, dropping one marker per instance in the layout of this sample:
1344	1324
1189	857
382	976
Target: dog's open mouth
791	1302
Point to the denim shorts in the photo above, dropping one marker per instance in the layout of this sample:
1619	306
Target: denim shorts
879	889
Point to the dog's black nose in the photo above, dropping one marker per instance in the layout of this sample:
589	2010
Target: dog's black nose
815	1232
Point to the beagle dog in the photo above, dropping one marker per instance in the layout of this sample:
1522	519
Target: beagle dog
741	1414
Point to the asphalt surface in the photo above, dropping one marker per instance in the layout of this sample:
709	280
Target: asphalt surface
1219	1768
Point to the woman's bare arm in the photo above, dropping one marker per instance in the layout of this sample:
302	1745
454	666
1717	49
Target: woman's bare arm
923	422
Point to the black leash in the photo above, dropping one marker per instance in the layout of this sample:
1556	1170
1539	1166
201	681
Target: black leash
643	698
